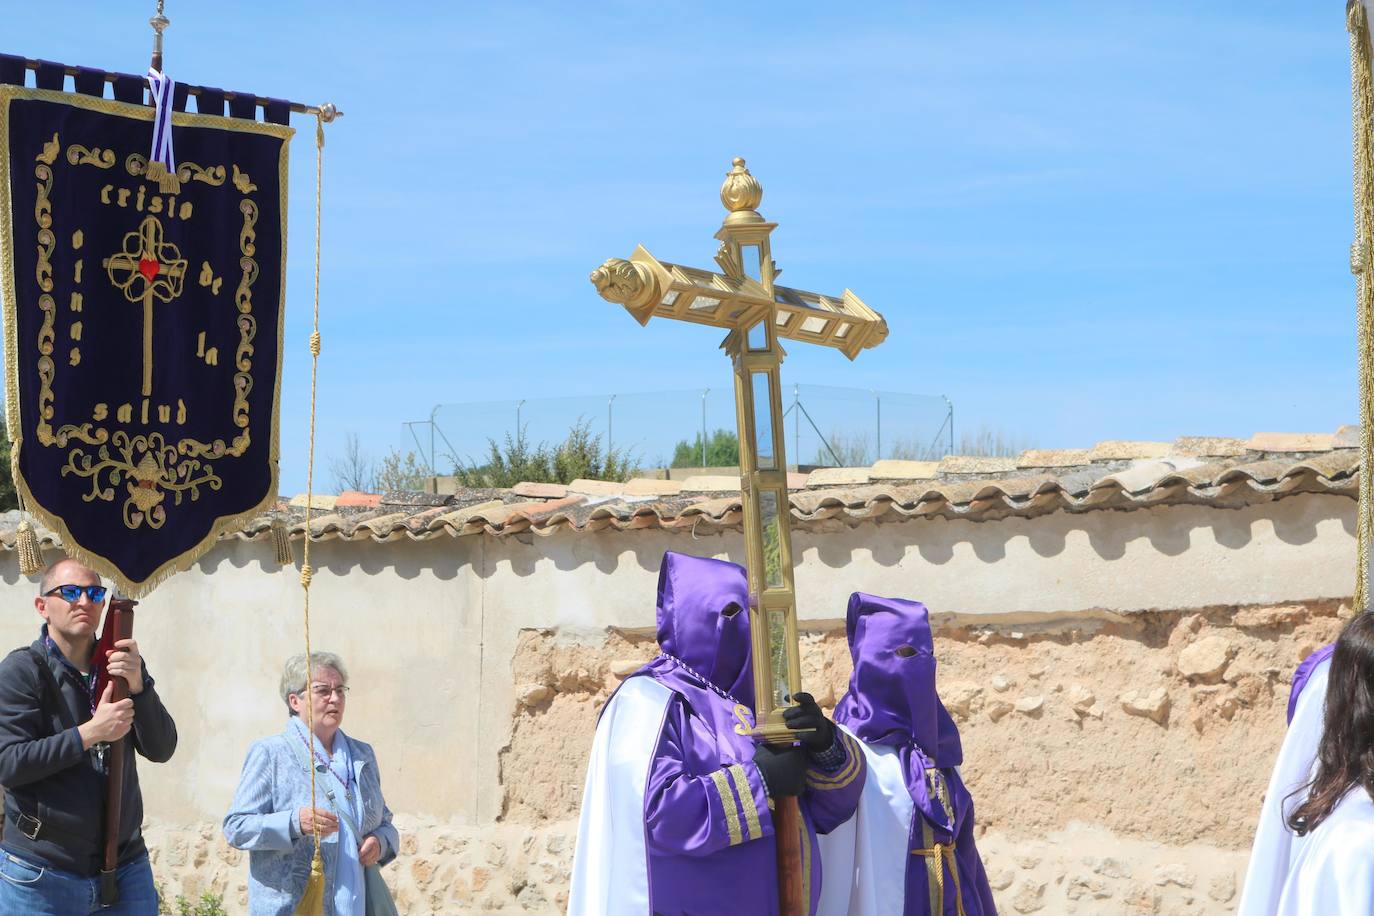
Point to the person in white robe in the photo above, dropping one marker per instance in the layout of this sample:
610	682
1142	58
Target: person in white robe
1332	864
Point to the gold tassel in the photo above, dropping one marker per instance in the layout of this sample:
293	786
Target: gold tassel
30	552
281	537
167	181
312	901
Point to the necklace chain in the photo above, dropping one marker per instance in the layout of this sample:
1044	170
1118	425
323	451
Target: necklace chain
705	681
346	779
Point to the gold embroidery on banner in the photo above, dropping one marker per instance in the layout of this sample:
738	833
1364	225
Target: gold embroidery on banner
727	802
100	158
50	151
742	713
149	468
242	183
187	479
42	214
47	336
746	797
190	171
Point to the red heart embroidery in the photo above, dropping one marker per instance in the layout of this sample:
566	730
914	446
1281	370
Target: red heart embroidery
149	269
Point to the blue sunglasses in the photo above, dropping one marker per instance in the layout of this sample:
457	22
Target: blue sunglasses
72	593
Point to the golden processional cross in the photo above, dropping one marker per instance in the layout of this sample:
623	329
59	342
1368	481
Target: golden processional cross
148	269
744	299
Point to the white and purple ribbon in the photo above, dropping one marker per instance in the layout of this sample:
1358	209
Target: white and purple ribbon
163	88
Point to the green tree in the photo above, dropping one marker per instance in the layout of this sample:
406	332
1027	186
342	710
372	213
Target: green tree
400	472
579	456
722	451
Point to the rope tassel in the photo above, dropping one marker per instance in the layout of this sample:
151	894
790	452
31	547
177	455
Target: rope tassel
281	539
30	551
312	901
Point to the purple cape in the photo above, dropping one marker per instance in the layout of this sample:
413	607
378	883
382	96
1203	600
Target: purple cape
1304	673
892	701
707	819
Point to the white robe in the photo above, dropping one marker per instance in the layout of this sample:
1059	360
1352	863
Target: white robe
864	860
610	875
1276	847
1333	872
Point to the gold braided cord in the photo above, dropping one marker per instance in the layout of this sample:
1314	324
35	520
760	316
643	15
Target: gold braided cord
307	573
1362	110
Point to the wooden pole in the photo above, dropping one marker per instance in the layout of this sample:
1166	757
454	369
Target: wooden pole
120	618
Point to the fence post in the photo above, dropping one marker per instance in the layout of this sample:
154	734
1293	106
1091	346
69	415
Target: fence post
610	419
703	426
878	401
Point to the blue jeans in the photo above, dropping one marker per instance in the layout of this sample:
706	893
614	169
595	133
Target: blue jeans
37	890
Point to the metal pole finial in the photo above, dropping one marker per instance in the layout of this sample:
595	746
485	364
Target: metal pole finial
159	23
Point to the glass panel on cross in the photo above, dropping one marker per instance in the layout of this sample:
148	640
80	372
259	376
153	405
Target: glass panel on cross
749	260
777	658
763	421
758	337
770	504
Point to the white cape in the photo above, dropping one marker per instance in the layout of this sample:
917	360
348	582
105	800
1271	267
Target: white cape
1276	847
864	860
610	875
1333	872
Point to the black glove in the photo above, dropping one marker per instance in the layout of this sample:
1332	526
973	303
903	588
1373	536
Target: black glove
806	714
783	769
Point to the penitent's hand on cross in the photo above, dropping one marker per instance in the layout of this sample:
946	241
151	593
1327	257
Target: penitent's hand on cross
147	269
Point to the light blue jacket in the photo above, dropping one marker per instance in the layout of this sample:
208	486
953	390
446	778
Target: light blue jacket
264	820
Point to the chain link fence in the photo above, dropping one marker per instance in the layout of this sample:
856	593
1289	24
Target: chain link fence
825	426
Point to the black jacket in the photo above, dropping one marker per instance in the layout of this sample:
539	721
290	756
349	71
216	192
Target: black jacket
47	775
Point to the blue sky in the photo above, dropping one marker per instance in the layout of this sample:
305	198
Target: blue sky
1083	221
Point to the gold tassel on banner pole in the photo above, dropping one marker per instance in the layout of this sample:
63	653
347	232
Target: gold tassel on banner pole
30	552
1361	263
281	539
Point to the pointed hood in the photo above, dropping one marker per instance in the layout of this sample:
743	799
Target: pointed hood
703	620
891	698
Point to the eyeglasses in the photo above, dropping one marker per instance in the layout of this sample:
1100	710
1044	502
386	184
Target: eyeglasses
324	692
72	593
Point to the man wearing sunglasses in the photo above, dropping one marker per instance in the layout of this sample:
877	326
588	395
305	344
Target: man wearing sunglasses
55	736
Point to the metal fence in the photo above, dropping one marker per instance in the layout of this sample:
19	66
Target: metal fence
826	426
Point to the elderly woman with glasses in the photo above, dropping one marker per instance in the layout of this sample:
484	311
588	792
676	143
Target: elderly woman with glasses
272	816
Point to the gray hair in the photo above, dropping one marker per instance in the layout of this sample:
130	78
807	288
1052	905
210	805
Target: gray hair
295	678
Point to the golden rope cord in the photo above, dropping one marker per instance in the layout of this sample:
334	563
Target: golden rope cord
312	901
1362	109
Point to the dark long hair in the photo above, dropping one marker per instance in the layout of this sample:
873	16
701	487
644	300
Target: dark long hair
1345	757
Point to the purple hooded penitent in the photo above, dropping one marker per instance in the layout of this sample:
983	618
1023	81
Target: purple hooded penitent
707	819
892	702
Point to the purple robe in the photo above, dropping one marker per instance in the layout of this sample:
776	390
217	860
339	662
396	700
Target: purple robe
708	823
892	702
1304	673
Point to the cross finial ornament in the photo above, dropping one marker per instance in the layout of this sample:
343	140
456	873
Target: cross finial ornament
744	299
147	270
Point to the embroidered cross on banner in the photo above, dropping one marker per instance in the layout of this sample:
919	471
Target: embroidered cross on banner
147	269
